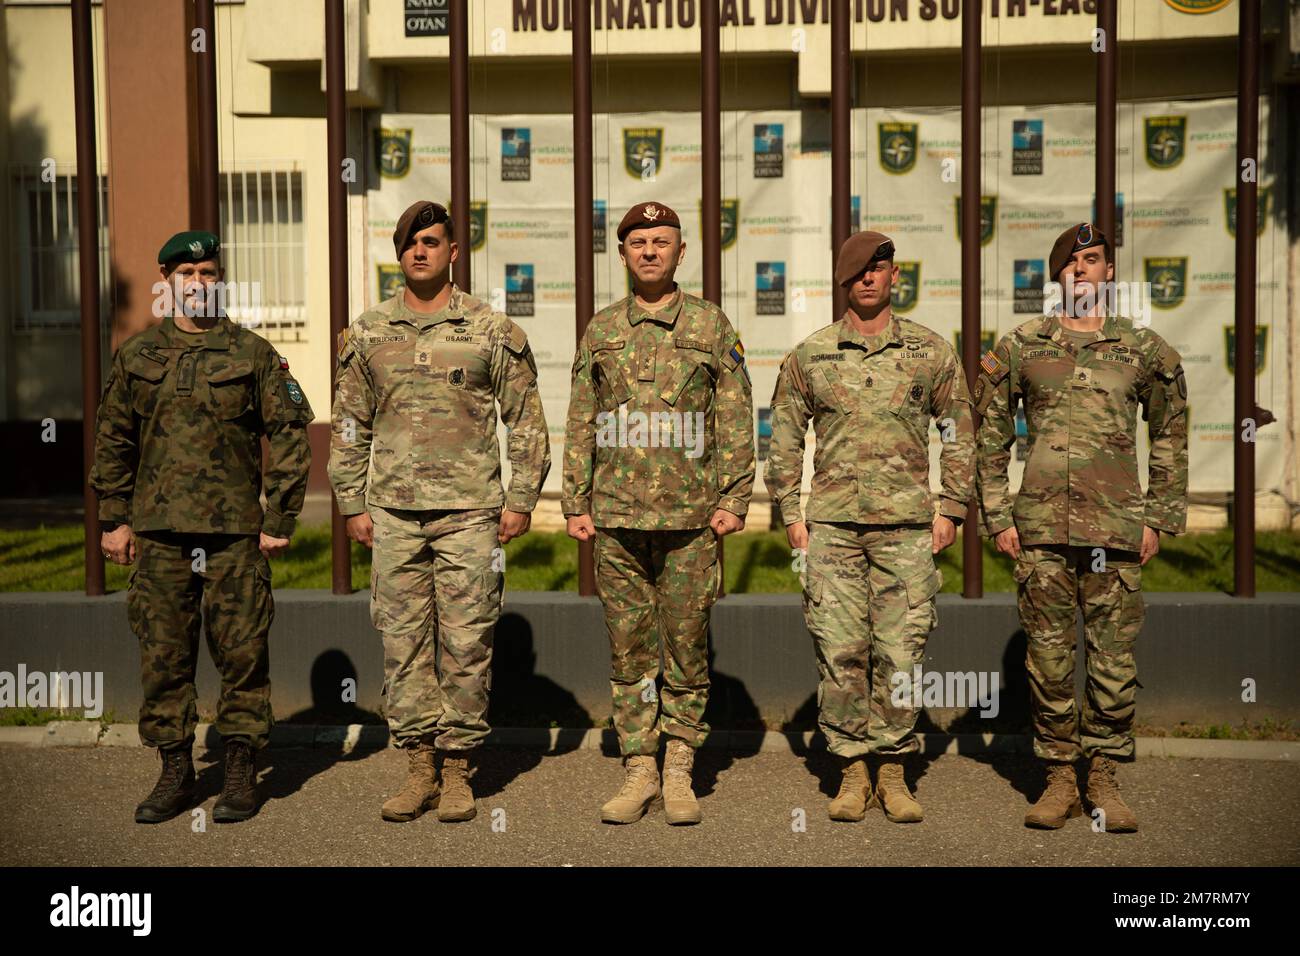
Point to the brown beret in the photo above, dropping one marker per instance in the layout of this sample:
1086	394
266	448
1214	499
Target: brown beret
647	214
1084	235
418	215
859	250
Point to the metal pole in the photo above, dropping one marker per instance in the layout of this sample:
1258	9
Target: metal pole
971	64
209	207
1243	463
711	172
83	78
583	230
841	140
458	27
336	138
1107	71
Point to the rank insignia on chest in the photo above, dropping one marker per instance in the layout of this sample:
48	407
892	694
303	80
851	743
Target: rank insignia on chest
422	358
456	377
869	382
1082	377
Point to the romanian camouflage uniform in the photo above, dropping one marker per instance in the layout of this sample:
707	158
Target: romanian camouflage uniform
414	443
871	578
1080	510
178	457
660	435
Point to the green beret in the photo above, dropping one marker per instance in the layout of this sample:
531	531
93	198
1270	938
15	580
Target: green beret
193	245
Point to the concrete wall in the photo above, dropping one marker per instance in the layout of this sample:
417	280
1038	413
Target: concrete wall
552	657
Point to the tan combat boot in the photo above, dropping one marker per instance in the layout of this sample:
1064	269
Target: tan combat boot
420	792
1103	793
1059	801
899	804
851	803
457	802
640	791
680	805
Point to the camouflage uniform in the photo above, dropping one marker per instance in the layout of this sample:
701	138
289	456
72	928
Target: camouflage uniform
871	579
651	496
1080	510
178	457
419	392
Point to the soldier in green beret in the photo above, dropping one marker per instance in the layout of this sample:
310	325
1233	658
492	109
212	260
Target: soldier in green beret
179	473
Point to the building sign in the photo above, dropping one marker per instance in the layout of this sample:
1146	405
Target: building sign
425	18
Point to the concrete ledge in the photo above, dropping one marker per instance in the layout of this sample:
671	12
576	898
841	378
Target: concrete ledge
565	739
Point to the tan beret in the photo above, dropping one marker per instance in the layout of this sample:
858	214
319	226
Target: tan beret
646	214
1084	235
418	215
858	251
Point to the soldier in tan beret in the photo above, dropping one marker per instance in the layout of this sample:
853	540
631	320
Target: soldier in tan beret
871	384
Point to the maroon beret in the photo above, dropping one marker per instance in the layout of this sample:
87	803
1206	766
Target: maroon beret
418	215
645	214
858	251
1084	235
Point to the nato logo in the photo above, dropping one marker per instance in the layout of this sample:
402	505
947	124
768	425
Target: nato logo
519	288
769	288
769	150
1027	147
516	155
1027	282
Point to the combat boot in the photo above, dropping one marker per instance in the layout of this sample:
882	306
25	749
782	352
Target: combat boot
174	791
1059	801
680	805
898	803
457	801
851	803
238	800
1103	793
420	792
639	793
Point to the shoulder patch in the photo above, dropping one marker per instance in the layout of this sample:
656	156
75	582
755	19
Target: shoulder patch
344	339
993	366
515	339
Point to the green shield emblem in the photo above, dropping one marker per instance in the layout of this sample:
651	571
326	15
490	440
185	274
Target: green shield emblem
477	225
1168	279
988	218
730	222
643	150
394	153
908	287
988	341
1265	195
897	142
1166	139
1230	347
389	280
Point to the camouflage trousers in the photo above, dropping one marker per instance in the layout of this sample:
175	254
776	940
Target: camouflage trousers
224	581
1106	584
657	588
869	603
435	596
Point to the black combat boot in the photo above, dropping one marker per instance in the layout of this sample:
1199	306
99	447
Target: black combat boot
174	791
238	799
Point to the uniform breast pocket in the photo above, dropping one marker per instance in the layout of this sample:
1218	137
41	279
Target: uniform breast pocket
911	401
608	379
232	390
689	385
147	379
830	394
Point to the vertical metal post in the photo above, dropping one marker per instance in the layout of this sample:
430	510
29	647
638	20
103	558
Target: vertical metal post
1107	68
1243	461
458	28
971	285
336	139
583	231
83	73
209	207
711	168
841	141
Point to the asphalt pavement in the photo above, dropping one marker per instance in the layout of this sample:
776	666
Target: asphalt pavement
73	806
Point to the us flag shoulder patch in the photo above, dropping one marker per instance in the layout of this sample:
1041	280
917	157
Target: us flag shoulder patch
991	364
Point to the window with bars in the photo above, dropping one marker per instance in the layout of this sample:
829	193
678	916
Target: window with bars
262	249
45	293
